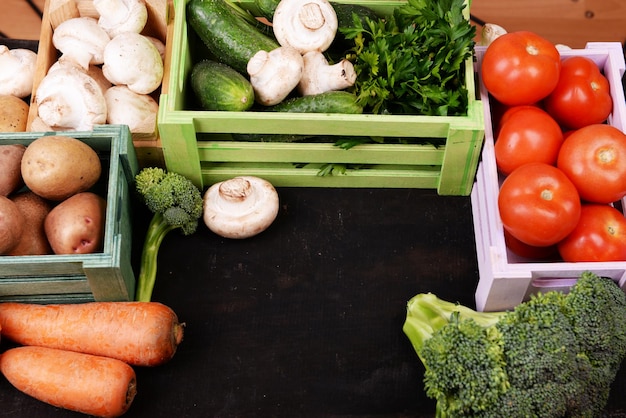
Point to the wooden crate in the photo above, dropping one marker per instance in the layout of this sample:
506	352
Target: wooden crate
505	278
199	144
102	276
160	19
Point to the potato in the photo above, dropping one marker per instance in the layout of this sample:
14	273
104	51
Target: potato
57	167
76	225
11	225
34	208
10	168
13	114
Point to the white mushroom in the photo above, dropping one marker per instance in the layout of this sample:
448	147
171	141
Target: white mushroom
490	33
125	107
275	74
160	46
240	207
67	98
17	71
307	25
319	76
117	16
93	71
82	40
132	59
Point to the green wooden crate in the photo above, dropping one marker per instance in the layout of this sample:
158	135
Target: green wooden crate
199	144
102	276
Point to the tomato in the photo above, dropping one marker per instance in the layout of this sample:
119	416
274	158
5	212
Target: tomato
530	252
538	204
599	236
582	96
526	134
594	158
520	68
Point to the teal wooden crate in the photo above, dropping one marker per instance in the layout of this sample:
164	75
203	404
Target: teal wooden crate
199	144
102	276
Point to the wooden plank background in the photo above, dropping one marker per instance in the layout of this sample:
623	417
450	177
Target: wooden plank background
570	22
19	21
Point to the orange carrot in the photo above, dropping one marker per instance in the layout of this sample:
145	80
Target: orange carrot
94	385
138	333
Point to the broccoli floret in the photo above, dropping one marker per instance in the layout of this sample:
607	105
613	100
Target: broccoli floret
554	355
176	203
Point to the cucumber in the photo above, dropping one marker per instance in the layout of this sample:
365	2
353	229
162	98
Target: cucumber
328	102
344	13
267	8
230	38
219	87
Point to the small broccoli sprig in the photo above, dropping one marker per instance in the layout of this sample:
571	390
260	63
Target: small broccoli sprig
176	203
555	355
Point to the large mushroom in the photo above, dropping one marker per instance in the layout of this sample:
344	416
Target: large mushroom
125	107
118	16
319	76
307	25
82	40
240	207
133	59
275	74
17	71
67	98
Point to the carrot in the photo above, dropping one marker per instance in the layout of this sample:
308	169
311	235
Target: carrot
138	333
93	385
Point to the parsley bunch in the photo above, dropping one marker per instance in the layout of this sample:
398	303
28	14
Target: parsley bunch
413	62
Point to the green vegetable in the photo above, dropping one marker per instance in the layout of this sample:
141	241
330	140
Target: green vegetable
227	31
219	87
413	61
555	355
335	101
176	203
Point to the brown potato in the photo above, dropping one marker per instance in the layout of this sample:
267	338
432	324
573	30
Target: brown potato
10	168
76	225
34	208
57	167
13	114
11	225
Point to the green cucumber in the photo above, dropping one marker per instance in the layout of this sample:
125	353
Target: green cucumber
328	102
229	37
219	87
344	13
267	8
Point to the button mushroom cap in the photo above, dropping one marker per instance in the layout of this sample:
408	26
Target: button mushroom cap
82	40
117	16
17	71
68	98
133	59
125	107
240	207
307	25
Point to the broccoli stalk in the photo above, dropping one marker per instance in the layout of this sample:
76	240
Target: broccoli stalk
176	203
554	355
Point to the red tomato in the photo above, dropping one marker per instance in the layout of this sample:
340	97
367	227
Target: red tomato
594	158
538	204
530	252
520	68
527	134
582	96
599	236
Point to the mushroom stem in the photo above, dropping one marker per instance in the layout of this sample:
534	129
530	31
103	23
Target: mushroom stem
319	76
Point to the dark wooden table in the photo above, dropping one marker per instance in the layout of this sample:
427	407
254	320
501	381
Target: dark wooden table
305	320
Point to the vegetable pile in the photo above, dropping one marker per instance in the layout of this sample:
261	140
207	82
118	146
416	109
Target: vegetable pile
562	165
411	62
47	199
555	355
81	356
107	72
